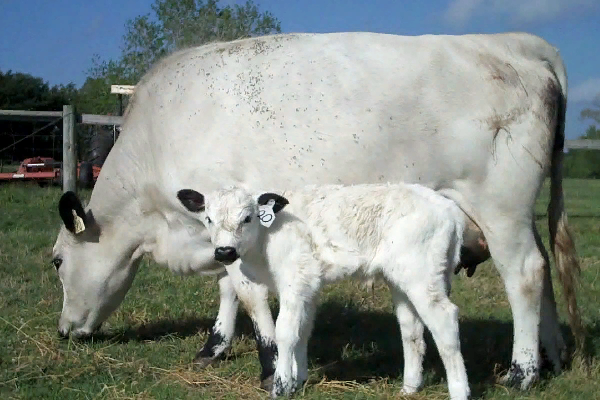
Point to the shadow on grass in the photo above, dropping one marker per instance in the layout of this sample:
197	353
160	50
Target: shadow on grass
349	344
352	344
356	345
181	327
153	331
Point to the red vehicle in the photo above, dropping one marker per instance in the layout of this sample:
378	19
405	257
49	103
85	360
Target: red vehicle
45	170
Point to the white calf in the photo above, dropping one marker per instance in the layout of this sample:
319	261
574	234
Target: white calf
408	235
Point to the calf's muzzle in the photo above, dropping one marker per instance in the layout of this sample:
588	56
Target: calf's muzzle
226	255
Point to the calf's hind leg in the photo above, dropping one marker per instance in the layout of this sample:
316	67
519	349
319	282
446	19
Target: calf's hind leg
413	342
440	315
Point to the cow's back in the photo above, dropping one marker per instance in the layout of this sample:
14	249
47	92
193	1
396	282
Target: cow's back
288	110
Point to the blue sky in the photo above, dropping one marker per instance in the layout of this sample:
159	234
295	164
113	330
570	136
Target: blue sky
57	39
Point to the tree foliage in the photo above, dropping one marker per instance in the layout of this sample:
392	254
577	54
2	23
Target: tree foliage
173	24
581	163
94	96
20	91
586	163
593	112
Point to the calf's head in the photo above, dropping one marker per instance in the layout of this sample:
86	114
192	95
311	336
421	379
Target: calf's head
232	217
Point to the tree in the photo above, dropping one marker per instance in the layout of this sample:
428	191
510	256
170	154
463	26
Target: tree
94	96
173	24
19	91
592	113
586	163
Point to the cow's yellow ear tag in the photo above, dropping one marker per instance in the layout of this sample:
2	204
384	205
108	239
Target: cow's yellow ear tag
78	221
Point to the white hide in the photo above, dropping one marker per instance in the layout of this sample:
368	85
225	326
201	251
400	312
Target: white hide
407	234
476	117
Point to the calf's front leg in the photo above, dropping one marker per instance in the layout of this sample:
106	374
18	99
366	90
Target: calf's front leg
221	333
293	328
233	287
254	297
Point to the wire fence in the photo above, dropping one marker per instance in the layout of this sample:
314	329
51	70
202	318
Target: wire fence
45	140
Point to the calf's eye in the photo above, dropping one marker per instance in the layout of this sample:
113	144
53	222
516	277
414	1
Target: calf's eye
247	219
208	220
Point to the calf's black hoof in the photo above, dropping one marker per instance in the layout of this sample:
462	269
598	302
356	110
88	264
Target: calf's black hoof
203	362
267	384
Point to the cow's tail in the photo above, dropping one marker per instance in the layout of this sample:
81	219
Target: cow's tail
562	243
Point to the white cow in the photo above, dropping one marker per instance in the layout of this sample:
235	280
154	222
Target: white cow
479	118
407	234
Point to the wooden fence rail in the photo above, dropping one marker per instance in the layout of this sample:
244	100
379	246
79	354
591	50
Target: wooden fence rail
586	144
94	119
47	116
21	115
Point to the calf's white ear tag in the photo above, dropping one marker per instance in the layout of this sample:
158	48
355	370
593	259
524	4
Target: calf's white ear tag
78	221
266	214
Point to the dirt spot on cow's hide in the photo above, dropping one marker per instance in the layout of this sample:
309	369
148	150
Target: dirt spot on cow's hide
251	47
500	71
501	121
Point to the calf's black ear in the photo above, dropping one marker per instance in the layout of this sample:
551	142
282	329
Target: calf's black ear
191	200
280	201
71	212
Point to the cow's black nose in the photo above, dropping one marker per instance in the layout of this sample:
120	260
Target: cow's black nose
226	254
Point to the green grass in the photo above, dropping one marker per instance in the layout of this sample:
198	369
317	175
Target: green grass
9	167
145	348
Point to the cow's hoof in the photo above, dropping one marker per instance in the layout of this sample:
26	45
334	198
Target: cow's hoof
458	268
517	379
471	270
551	364
281	389
267	384
408	390
203	362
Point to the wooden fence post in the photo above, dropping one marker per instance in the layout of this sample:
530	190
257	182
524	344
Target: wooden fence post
69	164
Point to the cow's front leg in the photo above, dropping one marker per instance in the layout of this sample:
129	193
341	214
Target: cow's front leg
221	333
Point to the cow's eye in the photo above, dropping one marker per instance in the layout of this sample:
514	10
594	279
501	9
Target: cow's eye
208	219
247	219
57	262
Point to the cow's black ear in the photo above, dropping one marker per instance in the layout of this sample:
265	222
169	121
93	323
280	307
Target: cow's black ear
71	212
280	201
191	200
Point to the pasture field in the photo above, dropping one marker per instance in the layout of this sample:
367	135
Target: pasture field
144	351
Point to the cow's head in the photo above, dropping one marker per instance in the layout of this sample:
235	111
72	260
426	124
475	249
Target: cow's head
95	264
232	217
